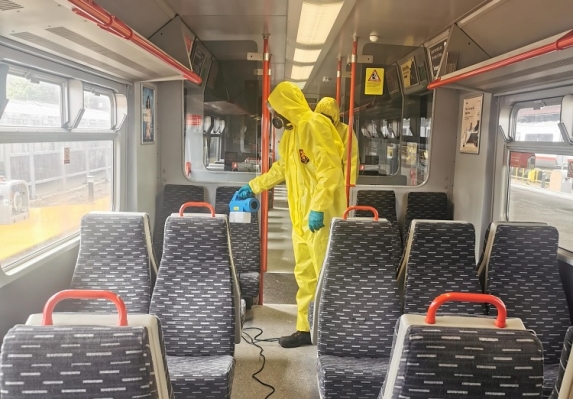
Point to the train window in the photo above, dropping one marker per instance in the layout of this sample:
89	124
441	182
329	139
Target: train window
45	189
32	102
540	189
537	121
98	110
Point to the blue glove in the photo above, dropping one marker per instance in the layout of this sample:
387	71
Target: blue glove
315	221
245	192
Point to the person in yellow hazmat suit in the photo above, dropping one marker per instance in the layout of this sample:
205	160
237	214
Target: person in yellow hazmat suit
310	162
329	108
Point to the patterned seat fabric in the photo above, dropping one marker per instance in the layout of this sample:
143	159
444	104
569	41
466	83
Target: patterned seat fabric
245	244
87	362
522	270
339	376
357	308
565	353
425	205
439	257
194	298
453	362
384	201
115	255
175	195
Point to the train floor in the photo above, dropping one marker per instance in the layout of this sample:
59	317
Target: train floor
292	372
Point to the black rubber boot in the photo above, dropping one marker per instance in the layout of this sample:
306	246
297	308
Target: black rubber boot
296	339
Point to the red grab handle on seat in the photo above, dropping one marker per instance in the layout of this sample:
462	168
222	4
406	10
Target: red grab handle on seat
84	294
468	297
360	208
203	204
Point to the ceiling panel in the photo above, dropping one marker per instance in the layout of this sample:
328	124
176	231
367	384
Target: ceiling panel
226	7
398	23
144	16
519	23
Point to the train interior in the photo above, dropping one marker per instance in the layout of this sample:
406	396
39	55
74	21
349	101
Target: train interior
126	127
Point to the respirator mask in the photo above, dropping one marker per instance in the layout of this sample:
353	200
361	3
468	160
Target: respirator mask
278	120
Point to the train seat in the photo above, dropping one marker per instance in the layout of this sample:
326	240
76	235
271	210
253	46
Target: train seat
196	297
357	306
463	356
439	257
85	355
173	196
425	205
563	388
116	254
384	201
520	266
245	246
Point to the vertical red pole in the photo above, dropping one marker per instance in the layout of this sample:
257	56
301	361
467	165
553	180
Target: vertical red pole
338	81
351	117
264	162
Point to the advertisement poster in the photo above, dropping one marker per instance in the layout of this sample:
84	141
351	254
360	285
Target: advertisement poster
374	83
471	125
147	115
436	55
412	154
409	73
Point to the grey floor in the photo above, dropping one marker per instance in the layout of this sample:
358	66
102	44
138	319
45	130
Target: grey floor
291	371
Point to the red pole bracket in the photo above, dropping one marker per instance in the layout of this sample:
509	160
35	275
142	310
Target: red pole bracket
468	297
47	319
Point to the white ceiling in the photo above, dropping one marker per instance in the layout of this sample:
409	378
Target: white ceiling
231	28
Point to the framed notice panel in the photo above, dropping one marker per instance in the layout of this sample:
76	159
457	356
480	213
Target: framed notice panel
374	81
471	125
409	73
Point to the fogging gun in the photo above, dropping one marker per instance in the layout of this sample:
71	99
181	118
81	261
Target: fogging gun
241	210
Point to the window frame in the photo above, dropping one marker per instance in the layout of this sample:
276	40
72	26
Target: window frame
27	134
560	148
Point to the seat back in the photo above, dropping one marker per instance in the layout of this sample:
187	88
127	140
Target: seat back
425	205
384	201
173	196
439	257
564	385
85	355
195	293
72	362
463	357
358	302
521	268
116	255
245	242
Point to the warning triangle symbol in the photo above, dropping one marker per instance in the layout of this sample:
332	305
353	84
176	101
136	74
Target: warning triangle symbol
374	77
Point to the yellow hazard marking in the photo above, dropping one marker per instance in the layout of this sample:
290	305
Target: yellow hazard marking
374	82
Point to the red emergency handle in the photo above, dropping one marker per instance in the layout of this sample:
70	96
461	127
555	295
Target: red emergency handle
84	294
198	204
360	208
468	297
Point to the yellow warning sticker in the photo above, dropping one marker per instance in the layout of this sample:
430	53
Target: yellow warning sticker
374	83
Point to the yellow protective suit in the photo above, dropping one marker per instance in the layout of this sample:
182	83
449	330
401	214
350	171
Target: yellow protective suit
328	106
310	163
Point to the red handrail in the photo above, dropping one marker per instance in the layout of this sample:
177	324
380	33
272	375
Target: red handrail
197	204
90	10
351	117
468	297
265	123
47	319
338	81
561	44
360	208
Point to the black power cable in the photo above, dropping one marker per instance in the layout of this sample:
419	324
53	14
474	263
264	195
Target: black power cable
254	341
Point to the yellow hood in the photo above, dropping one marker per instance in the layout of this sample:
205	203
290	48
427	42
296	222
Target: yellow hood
287	99
328	106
